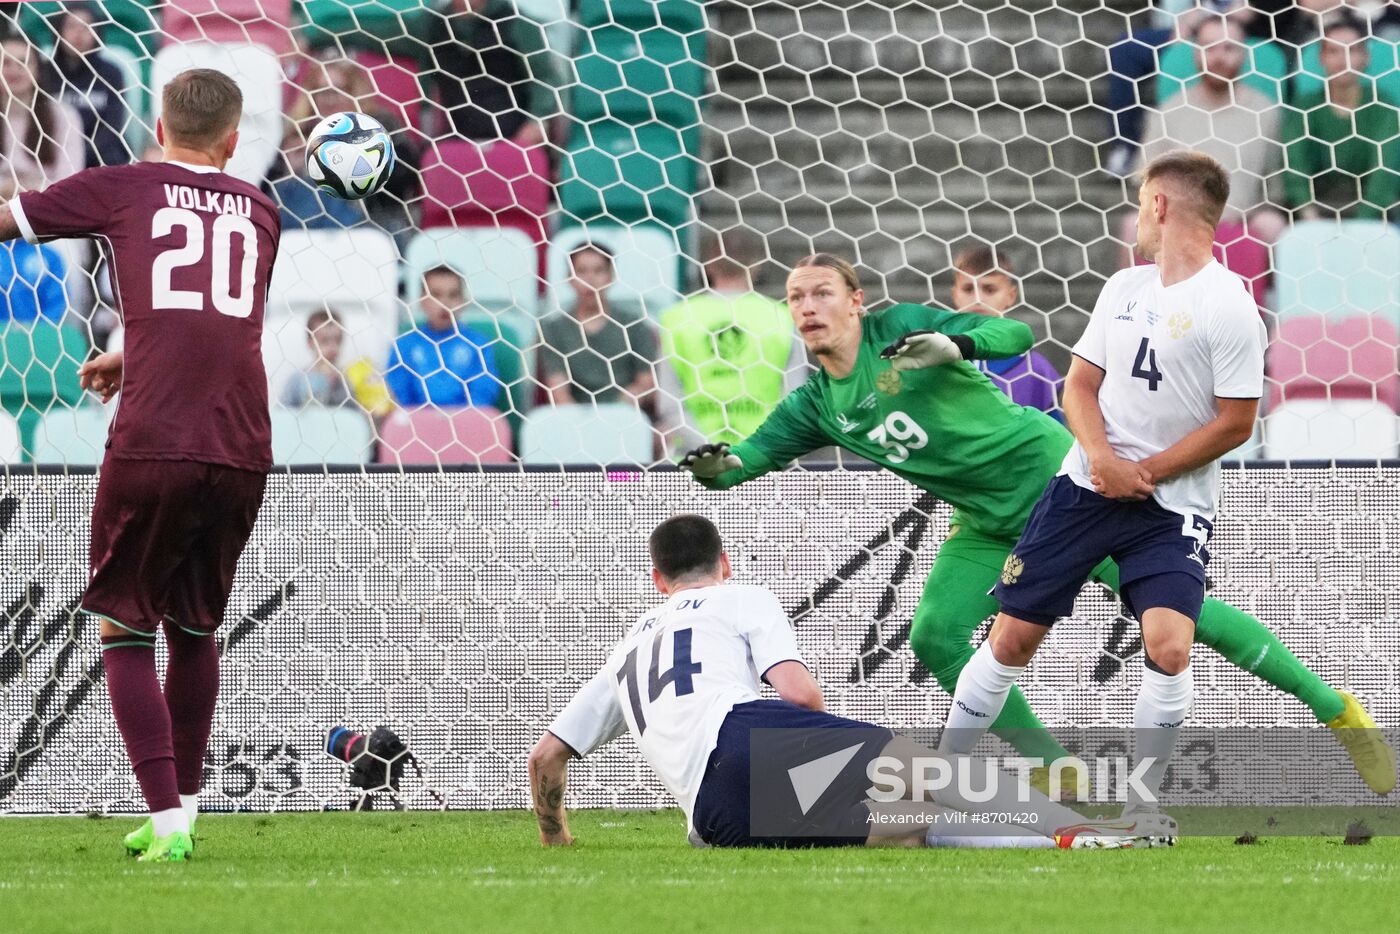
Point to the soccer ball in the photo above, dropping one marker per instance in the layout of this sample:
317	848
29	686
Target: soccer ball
350	155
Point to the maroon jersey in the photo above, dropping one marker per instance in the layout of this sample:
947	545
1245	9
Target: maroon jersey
190	252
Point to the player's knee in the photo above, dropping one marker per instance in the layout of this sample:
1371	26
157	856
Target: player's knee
944	657
1168	658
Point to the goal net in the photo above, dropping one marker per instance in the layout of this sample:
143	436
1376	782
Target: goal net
447	554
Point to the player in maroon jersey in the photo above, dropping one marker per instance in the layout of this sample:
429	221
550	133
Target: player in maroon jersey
190	251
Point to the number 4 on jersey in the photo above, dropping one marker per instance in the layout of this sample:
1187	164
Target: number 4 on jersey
681	674
1146	355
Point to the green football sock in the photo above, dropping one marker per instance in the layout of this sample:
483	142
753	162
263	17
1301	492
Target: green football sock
1249	645
954	604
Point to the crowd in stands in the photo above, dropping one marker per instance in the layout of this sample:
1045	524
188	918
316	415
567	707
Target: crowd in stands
1296	99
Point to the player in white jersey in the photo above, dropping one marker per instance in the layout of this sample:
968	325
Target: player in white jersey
1165	380
685	682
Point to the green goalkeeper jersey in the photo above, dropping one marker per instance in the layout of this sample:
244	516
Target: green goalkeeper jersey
946	429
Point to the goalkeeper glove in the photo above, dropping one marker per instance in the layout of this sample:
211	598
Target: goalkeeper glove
709	461
919	349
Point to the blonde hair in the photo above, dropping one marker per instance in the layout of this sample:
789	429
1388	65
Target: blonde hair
845	270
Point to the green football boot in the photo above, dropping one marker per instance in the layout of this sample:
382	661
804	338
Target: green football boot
172	848
139	840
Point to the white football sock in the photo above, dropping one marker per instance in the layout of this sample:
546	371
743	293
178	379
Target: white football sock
1027	841
1162	705
190	803
171	820
982	690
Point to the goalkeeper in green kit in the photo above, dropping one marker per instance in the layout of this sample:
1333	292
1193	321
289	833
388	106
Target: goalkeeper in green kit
896	388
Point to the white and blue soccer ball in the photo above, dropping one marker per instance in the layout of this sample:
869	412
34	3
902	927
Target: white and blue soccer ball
350	155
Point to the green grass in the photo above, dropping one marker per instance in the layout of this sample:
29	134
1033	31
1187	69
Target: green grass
632	871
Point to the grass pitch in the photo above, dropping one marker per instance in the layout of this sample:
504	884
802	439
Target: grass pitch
633	871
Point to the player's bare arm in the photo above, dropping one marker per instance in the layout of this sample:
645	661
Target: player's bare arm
1113	476
549	766
9	227
795	684
1227	431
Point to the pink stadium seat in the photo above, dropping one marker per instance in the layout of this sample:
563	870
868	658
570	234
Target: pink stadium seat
1237	251
264	22
1245	256
469	184
1313	357
432	436
396	80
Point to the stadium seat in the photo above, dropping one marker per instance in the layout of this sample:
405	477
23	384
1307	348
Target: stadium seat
1319	429
395	78
1338	269
635	76
647	260
431	436
1245	256
615	433
1384	67
76	437
355	272
627	174
1266	69
557	19
498	184
498	265
395	26
265	22
682	16
318	435
259	76
1315	357
11	450
136	133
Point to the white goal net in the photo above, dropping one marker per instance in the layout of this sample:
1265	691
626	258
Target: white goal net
597	200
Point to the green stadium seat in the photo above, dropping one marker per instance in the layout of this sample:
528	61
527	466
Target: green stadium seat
613	433
392	27
11	451
317	435
1338	269
627	174
682	16
634	76
1265	69
75	437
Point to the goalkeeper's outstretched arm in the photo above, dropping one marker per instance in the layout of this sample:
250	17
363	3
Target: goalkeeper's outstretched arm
549	767
790	431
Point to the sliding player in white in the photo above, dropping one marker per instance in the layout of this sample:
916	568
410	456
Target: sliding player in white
685	683
1165	380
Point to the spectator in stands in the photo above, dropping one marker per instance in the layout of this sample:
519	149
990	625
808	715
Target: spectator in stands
984	283
324	382
732	352
496	75
336	85
441	362
92	85
41	138
1342	143
597	352
1223	116
299	202
1133	62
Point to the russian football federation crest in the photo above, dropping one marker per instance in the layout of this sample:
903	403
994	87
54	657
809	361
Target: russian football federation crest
1011	570
889	382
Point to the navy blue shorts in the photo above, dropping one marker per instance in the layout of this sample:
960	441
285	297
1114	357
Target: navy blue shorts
1161	555
723	808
